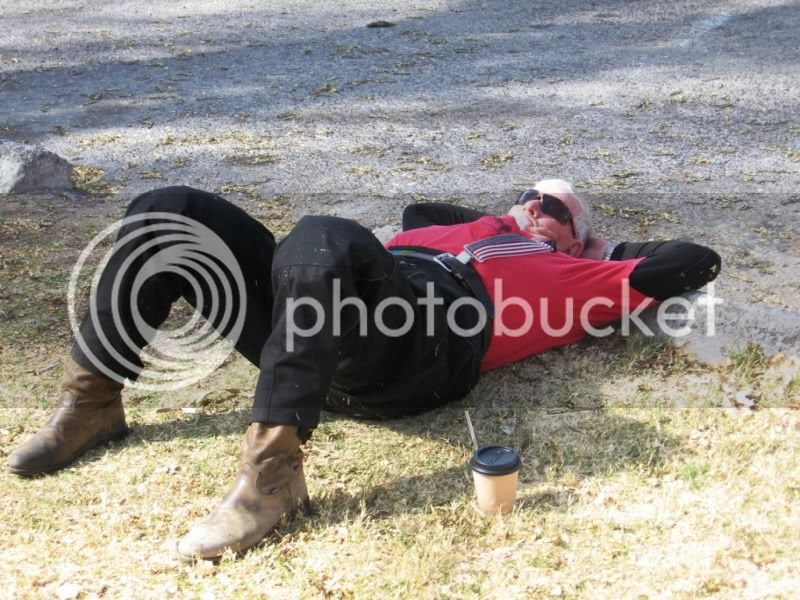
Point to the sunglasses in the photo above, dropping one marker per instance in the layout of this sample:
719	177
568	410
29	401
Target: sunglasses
551	205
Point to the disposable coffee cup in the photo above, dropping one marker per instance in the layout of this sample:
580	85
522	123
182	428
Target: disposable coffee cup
495	470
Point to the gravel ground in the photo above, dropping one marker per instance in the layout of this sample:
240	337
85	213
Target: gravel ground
675	118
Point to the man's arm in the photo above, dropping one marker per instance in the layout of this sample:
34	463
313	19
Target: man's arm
669	268
425	214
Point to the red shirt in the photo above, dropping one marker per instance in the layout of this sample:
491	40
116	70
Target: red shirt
555	286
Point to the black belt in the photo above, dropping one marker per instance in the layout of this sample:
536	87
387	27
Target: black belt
465	274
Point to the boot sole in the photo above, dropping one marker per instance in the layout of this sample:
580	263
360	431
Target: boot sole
108	437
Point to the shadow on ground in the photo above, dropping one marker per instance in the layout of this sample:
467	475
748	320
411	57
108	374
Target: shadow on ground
551	408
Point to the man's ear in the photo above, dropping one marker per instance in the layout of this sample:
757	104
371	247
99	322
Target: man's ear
575	249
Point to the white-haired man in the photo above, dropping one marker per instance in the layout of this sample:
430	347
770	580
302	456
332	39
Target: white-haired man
444	301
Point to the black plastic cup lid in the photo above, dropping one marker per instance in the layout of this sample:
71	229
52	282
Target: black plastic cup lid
495	460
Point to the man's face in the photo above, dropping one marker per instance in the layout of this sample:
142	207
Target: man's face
542	226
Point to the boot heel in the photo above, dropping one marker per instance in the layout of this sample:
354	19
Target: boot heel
106	438
119	435
306	508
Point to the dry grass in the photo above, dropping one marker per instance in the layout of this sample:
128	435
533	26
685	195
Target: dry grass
641	479
91	180
497	160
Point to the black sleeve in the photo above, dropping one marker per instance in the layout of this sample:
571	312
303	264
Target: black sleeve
670	268
425	214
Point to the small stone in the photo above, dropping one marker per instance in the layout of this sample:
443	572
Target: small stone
68	591
205	567
27	168
745	399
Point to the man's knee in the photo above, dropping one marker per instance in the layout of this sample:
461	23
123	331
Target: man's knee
334	242
176	199
329	228
320	240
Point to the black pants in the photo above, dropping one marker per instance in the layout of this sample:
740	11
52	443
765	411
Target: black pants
338	363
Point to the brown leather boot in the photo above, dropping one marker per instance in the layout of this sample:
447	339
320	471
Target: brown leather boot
89	413
270	485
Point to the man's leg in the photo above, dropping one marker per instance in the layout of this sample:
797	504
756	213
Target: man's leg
319	254
90	409
251	245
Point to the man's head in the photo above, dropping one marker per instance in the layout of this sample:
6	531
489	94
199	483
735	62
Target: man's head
541	213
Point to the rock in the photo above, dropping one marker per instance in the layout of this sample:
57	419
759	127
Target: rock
730	325
26	168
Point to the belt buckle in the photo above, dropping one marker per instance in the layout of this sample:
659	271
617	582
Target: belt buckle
439	260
